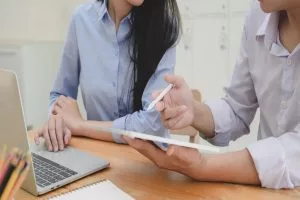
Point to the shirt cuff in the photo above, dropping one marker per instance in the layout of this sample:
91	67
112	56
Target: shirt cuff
119	123
222	123
269	160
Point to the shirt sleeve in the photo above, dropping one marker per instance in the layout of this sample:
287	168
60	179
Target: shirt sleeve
277	160
234	113
67	79
149	121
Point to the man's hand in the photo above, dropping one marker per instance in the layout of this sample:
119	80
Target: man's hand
232	167
177	107
180	159
68	109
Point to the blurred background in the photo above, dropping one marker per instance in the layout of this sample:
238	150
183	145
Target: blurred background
32	34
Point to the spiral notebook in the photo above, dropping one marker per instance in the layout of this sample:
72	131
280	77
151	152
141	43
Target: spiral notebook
105	190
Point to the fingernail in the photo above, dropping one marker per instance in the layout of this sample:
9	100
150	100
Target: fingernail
50	148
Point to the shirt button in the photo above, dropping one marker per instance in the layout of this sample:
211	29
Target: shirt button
289	62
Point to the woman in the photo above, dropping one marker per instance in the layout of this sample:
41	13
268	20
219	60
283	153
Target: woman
266	77
118	51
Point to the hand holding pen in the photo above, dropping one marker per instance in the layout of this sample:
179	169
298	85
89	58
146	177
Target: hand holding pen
175	103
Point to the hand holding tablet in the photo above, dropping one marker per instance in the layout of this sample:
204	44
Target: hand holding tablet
156	139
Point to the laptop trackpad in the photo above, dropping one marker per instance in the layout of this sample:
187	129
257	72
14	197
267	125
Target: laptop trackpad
71	158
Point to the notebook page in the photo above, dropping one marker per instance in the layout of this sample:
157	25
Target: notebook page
102	190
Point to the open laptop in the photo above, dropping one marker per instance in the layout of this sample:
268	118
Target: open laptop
49	170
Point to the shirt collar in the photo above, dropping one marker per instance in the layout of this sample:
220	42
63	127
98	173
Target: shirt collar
103	11
269	29
278	49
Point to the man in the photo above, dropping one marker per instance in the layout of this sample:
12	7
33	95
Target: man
265	77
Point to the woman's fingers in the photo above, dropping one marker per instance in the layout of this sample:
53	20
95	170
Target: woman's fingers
52	133
37	136
67	136
55	133
47	138
59	132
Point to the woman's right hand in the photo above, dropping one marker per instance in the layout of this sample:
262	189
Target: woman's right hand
177	107
56	134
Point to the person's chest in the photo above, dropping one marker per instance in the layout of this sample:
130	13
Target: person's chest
275	74
105	65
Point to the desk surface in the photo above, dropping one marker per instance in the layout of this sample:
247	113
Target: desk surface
137	176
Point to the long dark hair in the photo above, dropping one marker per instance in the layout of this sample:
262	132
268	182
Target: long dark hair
156	27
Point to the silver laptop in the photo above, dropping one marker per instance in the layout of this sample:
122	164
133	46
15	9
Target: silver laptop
49	170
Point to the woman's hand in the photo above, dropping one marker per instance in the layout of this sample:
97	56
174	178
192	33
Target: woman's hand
56	134
177	107
68	109
65	122
180	159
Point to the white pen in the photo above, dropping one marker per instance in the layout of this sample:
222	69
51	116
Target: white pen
160	96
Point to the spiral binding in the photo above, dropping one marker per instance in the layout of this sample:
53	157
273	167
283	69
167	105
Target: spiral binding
77	189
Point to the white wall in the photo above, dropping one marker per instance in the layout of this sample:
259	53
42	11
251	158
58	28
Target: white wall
36	66
31	41
40	63
206	54
208	50
35	20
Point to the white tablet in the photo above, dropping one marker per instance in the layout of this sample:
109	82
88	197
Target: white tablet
162	140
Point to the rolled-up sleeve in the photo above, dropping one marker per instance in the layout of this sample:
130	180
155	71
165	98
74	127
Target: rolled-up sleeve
67	79
149	121
234	113
277	160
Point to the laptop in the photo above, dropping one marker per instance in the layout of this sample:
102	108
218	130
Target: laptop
49	170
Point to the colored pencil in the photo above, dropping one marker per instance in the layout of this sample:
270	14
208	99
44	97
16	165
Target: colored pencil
5	167
15	175
20	180
12	166
3	155
14	169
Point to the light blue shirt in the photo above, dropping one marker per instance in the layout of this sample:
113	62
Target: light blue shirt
97	58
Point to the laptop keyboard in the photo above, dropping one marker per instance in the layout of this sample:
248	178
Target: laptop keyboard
48	172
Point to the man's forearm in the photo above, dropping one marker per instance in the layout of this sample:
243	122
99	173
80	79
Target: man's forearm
203	119
235	167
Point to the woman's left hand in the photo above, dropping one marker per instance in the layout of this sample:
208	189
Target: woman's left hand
68	109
